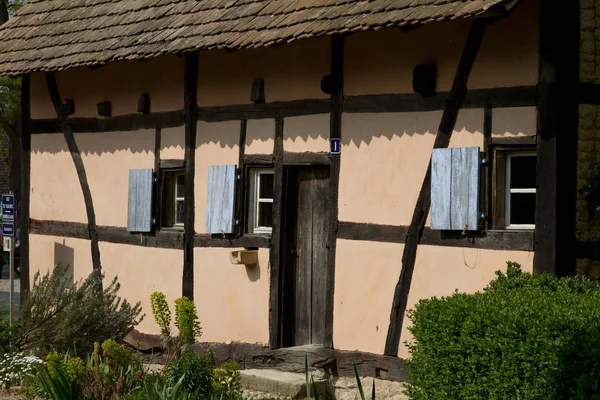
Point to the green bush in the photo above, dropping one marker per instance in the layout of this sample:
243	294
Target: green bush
196	372
525	337
227	383
66	316
186	320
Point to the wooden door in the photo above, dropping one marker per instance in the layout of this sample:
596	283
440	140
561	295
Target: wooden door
306	234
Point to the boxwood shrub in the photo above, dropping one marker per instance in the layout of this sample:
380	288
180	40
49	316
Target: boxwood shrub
524	337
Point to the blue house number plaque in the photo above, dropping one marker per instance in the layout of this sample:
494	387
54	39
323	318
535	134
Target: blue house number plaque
335	146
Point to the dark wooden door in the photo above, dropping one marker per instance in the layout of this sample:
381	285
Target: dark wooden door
306	235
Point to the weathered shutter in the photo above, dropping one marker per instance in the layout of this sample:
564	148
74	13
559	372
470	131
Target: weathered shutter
221	199
139	210
455	189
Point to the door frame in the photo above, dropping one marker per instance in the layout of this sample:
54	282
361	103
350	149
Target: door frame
276	339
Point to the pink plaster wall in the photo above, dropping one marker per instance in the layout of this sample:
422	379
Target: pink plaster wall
384	160
122	83
260	136
217	144
306	134
514	121
232	300
367	272
508	56
55	190
290	72
107	158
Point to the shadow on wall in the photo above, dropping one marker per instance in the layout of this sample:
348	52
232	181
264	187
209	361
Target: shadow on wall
253	271
65	255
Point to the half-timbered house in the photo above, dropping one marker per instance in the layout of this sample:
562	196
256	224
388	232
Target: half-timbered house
276	161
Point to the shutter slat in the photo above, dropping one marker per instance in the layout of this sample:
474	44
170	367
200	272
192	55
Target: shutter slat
441	175
455	189
139	211
221	199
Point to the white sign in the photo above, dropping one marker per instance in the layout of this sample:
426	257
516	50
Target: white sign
6	243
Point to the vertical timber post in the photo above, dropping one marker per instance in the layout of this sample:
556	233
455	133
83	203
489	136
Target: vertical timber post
335	132
191	122
557	126
25	183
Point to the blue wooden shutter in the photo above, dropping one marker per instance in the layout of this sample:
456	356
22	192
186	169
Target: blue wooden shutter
455	189
139	209
221	199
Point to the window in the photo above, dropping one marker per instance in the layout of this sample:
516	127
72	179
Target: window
520	189
514	187
261	201
173	189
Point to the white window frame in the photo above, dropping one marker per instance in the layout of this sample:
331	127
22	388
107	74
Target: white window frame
176	199
255	200
509	156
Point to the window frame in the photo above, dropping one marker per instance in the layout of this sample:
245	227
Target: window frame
254	200
510	155
167	198
177	174
501	185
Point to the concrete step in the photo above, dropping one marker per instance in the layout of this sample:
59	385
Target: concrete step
278	384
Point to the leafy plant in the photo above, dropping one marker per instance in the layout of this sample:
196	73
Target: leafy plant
227	384
186	320
161	312
196	372
61	315
525	337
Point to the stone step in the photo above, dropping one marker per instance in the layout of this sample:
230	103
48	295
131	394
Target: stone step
278	384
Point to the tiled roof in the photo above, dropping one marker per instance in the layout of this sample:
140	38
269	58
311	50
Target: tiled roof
52	35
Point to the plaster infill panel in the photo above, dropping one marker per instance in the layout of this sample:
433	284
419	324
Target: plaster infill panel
48	251
217	143
514	121
55	189
107	158
439	271
260	136
122	83
232	300
306	134
172	143
366	274
142	271
291	72
379	62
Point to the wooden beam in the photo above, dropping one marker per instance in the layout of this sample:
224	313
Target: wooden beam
159	180
417	225
122	123
191	120
490	239
79	167
275	255
589	93
514	141
276	109
24	199
520	96
487	171
557	120
335	132
241	200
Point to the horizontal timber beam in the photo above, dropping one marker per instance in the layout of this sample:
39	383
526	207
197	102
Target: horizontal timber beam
291	359
164	239
122	123
492	240
519	96
307	158
589	93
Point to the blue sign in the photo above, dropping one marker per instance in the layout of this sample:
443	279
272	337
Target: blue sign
8	207
335	146
8	229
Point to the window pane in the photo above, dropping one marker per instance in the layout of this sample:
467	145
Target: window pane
180	186
266	186
522	172
179	212
265	214
522	208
